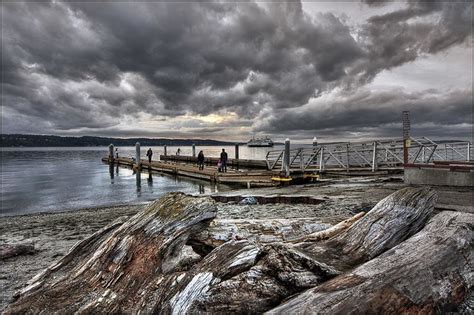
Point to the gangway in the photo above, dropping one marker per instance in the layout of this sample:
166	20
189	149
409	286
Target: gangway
369	155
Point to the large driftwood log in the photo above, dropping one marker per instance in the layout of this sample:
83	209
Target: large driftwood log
12	250
221	231
281	270
146	266
432	272
329	232
118	269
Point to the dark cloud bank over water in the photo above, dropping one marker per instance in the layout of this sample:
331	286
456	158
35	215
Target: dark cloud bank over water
81	68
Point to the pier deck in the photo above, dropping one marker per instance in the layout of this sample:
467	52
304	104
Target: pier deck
243	177
244	163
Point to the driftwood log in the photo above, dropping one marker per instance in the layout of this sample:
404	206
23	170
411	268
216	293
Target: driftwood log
432	272
12	250
167	260
221	231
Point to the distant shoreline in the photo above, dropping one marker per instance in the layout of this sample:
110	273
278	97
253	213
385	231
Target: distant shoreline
19	140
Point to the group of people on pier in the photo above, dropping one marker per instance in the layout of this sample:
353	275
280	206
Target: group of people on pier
221	164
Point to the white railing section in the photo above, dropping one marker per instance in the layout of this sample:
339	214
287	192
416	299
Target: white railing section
369	155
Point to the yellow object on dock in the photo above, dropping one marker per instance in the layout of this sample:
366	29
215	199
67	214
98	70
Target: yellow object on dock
282	179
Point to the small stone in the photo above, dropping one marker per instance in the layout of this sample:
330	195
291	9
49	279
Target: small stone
248	201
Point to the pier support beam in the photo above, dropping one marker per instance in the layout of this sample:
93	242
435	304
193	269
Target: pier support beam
194	150
286	158
374	158
347	158
468	151
321	160
111	152
237	156
137	155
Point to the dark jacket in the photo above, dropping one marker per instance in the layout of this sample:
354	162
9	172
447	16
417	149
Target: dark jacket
201	157
224	157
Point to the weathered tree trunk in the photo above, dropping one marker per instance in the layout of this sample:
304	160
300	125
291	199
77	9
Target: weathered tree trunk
146	265
329	232
281	270
119	269
262	231
12	250
429	273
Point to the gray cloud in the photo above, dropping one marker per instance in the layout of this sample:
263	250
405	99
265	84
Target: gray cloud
86	66
378	114
423	27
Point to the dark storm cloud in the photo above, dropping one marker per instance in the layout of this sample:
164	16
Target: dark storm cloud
88	65
378	114
64	62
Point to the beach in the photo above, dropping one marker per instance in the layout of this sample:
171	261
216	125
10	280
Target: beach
53	234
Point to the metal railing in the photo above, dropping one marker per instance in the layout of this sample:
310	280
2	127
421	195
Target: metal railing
369	155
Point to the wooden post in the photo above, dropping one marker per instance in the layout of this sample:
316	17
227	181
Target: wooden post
111	152
347	157
237	156
286	158
321	160
194	150
165	151
406	135
137	155
374	157
468	151
138	177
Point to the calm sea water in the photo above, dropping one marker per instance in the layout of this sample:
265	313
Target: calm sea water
53	179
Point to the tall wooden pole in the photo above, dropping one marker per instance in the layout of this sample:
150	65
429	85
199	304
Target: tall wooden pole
111	152
406	135
286	158
137	155
237	156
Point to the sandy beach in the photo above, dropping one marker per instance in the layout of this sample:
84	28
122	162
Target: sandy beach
53	234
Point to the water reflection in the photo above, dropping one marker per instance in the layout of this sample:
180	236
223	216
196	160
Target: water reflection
213	187
138	176
150	179
57	179
111	172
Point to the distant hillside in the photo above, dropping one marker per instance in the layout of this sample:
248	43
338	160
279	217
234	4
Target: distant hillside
16	140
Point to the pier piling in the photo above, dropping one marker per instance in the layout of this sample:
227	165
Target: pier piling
237	155
165	151
111	152
137	155
286	158
194	150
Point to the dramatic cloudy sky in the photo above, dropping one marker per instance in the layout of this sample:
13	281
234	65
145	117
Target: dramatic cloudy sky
341	70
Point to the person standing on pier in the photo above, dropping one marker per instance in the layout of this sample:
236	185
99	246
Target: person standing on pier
149	153
116	153
224	161
201	160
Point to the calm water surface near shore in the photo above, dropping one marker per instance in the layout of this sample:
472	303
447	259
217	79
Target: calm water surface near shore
57	179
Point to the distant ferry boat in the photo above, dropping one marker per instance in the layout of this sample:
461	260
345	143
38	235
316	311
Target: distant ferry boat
260	142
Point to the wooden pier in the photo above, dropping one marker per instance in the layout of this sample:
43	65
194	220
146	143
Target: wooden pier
244	163
249	178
